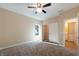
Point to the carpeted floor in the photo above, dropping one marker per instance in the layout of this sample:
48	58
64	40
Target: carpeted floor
37	49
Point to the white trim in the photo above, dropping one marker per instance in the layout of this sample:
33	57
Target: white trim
63	34
55	44
63	45
78	29
20	44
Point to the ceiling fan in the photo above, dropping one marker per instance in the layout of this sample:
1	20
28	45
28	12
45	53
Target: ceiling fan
39	7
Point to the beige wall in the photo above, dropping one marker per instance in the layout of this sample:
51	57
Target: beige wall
15	28
60	19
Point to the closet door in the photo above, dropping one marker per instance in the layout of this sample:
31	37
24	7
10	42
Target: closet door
53	32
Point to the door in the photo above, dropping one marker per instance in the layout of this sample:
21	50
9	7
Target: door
53	32
71	35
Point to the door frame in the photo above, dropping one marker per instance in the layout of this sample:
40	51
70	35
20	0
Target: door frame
78	28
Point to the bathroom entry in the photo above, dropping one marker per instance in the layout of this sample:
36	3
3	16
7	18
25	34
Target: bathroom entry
71	33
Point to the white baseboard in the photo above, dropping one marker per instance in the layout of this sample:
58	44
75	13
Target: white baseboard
61	45
55	44
51	43
20	44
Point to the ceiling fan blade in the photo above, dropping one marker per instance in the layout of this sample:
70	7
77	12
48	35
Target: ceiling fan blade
46	5
43	11
31	7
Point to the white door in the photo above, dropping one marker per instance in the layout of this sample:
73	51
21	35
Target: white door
53	32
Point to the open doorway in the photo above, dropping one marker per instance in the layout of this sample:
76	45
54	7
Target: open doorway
45	33
71	33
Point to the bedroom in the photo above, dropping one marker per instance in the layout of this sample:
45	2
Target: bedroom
23	31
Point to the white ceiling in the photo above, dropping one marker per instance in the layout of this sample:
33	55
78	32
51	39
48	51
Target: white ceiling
54	10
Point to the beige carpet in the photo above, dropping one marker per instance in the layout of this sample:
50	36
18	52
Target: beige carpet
37	49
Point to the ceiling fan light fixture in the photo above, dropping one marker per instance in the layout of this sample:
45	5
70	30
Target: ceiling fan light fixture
39	7
39	10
